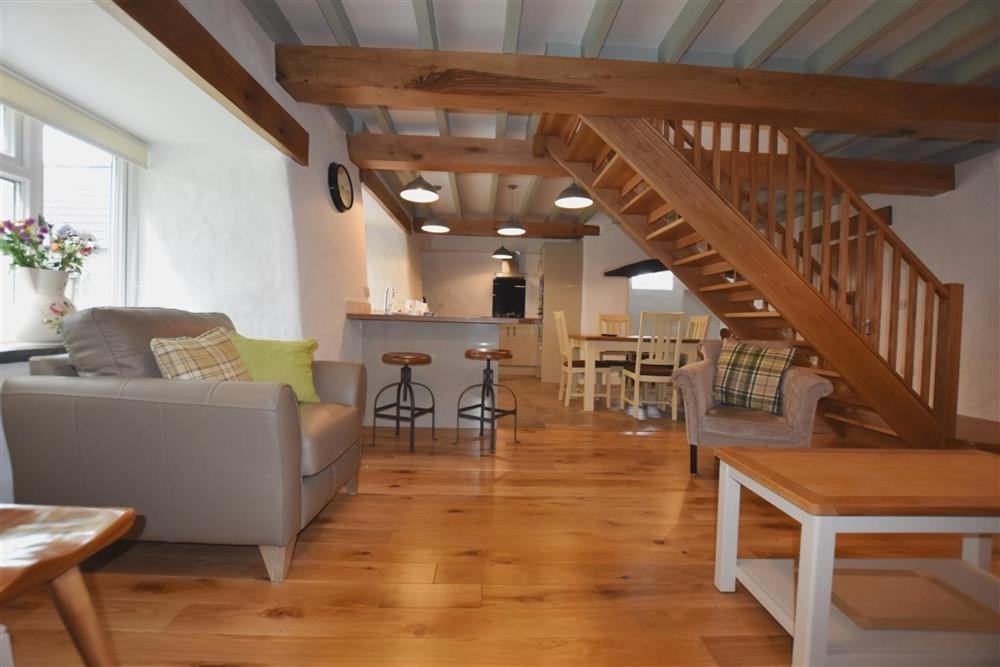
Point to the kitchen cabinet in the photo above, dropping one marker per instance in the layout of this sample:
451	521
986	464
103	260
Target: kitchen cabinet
522	341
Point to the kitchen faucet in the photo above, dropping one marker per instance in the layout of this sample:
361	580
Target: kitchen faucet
388	299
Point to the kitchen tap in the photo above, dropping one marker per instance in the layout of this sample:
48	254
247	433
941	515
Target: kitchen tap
388	299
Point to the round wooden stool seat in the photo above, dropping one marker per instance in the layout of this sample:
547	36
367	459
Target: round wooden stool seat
488	353
406	358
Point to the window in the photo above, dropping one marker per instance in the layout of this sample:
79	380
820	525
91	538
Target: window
662	281
72	183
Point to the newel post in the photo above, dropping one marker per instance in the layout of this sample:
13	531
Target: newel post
948	357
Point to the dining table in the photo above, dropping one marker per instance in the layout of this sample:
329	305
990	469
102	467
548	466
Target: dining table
591	347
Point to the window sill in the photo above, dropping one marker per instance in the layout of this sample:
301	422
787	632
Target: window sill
12	352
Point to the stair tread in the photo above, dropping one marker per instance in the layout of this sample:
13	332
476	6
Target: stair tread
754	314
643	202
848	397
659	212
697	258
825	372
860	422
614	174
670	230
735	285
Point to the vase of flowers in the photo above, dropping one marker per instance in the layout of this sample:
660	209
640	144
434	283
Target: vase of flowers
43	260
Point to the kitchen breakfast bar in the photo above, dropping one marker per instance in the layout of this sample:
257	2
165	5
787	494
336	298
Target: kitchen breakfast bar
442	337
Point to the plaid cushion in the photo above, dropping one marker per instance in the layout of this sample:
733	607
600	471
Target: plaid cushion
210	356
750	377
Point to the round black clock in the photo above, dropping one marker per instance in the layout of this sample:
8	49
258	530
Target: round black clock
341	187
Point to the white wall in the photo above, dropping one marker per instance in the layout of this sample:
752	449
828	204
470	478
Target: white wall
249	231
392	257
612	249
957	235
457	273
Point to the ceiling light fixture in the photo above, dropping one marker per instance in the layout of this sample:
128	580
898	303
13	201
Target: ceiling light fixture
512	227
434	225
419	191
502	253
573	197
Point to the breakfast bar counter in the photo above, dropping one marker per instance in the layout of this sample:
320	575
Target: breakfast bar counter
445	338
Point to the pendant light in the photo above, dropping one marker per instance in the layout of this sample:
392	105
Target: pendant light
573	197
502	253
419	191
512	227
434	225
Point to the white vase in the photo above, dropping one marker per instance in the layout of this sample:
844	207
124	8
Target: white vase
40	304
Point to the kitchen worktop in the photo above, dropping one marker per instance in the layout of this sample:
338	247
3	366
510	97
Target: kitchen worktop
441	319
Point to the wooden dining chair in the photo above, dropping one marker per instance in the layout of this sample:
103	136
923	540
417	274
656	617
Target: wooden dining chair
571	369
614	325
658	354
697	327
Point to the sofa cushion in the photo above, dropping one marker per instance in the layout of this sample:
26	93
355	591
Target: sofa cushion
210	356
328	430
744	424
115	341
285	361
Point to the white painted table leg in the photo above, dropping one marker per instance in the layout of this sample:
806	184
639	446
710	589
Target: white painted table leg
589	376
727	530
978	550
812	600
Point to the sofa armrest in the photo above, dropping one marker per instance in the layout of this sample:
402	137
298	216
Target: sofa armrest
801	391
52	364
200	461
341	382
695	382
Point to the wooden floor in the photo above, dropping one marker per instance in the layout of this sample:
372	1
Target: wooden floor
572	547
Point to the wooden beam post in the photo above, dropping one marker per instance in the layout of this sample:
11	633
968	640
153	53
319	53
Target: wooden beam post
948	358
171	30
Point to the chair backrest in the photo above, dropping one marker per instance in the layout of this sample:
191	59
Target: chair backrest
697	327
664	331
616	325
562	333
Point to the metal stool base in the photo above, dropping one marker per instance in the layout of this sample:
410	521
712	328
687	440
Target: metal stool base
395	410
487	391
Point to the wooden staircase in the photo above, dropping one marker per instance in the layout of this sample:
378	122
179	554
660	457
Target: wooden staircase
778	246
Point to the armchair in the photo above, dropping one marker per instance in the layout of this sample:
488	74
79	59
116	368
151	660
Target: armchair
709	423
200	461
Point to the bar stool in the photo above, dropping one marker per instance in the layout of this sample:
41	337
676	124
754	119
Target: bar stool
404	389
486	391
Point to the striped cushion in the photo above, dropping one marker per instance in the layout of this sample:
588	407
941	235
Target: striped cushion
750	377
210	356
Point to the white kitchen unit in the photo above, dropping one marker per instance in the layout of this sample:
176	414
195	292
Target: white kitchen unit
523	341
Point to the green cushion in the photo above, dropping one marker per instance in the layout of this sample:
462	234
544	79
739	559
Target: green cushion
286	361
750	377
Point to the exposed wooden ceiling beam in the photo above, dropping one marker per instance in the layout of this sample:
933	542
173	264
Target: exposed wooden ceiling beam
873	24
170	29
536	229
384	192
521	83
783	22
685	29
511	32
514	157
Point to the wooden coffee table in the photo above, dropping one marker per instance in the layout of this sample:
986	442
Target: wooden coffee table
43	545
831	491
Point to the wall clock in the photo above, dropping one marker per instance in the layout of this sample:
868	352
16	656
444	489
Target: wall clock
341	187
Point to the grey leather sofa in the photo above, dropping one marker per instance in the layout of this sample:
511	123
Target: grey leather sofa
200	461
711	424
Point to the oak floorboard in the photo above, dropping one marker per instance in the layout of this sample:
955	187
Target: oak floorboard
583	545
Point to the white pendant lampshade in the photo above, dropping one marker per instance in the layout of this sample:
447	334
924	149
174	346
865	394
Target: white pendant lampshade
502	253
434	225
573	197
419	191
511	228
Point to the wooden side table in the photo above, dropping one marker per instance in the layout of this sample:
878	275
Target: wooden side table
42	544
831	491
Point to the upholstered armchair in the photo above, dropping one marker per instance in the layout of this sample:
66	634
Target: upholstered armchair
710	424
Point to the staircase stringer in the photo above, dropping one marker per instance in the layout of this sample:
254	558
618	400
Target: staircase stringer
634	226
665	169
